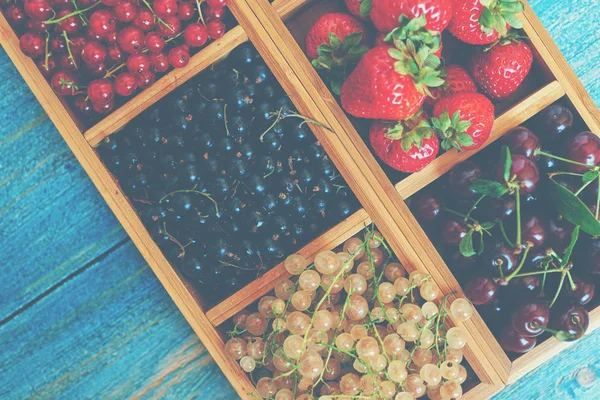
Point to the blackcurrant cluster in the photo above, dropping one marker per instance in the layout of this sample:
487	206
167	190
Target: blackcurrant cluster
226	176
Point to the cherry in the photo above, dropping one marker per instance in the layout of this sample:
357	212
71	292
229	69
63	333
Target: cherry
37	26
145	79
77	43
83	105
531	317
179	57
154	42
65	62
527	284
101	91
583	148
144	20
492	208
524	172
115	54
64	83
159	62
137	63
125	84
426	207
102	22
522	141
38	10
211	14
71	25
171	27
533	229
165	8
588	256
553	121
583	292
216	29
481	289
103	108
458	264
512	341
499	257
185	10
15	15
453	231
216	3
131	39
460	178
33	44
93	53
47	67
559	233
125	11
571	318
494	313
195	35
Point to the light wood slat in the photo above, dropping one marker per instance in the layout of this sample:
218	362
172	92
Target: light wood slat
360	170
263	285
124	212
211	54
511	118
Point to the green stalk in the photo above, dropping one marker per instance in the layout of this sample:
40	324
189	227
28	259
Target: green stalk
473	207
560	285
504	235
516	271
76	12
543	153
518	243
581	189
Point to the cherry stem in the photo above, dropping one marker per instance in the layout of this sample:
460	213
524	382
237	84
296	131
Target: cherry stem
560	285
516	271
67	42
581	189
504	235
573	285
547	271
473	207
465	217
543	153
47	53
518	208
76	12
553	174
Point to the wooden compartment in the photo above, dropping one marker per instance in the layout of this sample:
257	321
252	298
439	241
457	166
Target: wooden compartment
383	200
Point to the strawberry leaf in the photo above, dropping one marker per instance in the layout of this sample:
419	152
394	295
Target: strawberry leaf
462	126
512	20
486	3
401	68
396	54
352	40
324	49
455	118
365	8
464	140
406	144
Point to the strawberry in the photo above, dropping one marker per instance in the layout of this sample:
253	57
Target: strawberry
385	14
463	120
457	80
390	83
335	43
406	146
500	70
359	8
484	21
380	39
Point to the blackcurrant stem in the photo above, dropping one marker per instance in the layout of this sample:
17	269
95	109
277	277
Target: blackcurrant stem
76	12
504	235
518	209
193	190
473	207
560	285
523	258
543	153
261	137
225	119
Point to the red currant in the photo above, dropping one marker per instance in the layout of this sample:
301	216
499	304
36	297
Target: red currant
165	8
62	4
171	27
154	42
39	10
15	15
65	62
138	63
57	43
93	53
115	54
77	44
97	70
159	61
186	10
33	44
37	26
92	36
110	3
70	25
83	106
103	108
145	79
111	38
144	20
211	14
47	67
103	22
179	57
125	11
87	3
64	83
216	29
131	39
195	35
101	91
125	84
217	3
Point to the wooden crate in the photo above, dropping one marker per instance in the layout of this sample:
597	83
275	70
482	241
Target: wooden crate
262	23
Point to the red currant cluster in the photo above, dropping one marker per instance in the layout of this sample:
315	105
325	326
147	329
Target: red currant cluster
91	50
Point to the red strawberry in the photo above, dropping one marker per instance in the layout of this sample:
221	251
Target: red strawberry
380	39
359	8
501	70
385	14
463	120
407	146
457	80
335	43
484	21
383	86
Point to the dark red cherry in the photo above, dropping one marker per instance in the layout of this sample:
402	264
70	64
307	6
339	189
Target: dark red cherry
96	71
533	229
458	264
490	208
583	292
65	62
93	53
531	317
553	121
583	148
15	15
523	171
573	319
125	11
512	341
481	289
588	255
144	19
57	43
460	178
102	22
77	44
522	141
131	39
33	44
62	4
559	233
526	284
101	91
453	231
37	26
125	84
499	259
426	207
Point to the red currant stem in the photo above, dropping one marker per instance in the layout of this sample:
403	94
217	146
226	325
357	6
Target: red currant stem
518	209
573	285
157	17
553	174
76	12
543	153
200	16
68	43
168	40
193	190
504	235
582	188
523	258
560	285
112	71
81	16
598	199
47	54
473	207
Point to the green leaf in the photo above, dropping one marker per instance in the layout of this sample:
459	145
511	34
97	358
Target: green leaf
489	188
396	54
406	144
512	20
401	68
500	24
507	162
352	40
572	244
590	176
487	18
334	41
486	3
324	49
462	126
573	209
455	118
487	224
466	245
335	83
365	8
464	140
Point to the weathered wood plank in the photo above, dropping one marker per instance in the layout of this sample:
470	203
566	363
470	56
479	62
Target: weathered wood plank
52	220
110	332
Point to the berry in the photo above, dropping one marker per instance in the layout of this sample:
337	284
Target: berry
125	11
481	290
70	25
217	3
553	121
426	207
102	22
572	319
460	178
154	42
171	27
179	57
512	341
386	13
186	10
144	20
453	231
125	84
524	172
583	148
530	318
195	35
165	8
93	53
159	62
215	29
522	141
138	63
131	39
64	83
38	10
32	44
101	91
83	106
47	66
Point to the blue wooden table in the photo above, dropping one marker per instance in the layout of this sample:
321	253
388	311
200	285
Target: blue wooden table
83	316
